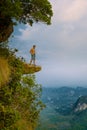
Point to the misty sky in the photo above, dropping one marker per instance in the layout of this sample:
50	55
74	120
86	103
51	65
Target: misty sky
61	47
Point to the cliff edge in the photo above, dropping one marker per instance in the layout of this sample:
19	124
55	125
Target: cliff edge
30	69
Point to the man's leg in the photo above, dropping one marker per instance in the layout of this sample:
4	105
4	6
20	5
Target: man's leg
31	60
34	59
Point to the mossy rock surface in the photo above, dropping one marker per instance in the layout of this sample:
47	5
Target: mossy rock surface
30	69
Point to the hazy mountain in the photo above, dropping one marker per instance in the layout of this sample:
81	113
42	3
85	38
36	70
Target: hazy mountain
65	109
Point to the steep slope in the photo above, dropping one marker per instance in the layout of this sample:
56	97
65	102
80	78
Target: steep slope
79	121
81	104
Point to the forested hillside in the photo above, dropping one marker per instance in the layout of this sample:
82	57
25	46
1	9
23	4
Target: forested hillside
66	108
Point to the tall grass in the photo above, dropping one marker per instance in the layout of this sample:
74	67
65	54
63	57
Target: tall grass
4	71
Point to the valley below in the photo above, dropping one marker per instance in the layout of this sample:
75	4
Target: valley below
65	109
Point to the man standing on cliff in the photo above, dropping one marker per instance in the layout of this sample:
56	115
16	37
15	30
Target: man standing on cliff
33	54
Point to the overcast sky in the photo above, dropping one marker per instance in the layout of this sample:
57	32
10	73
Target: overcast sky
61	47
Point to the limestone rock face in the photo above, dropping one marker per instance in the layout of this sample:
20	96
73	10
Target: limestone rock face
81	104
81	107
5	32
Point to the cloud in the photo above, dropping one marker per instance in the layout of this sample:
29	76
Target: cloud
69	10
26	33
66	74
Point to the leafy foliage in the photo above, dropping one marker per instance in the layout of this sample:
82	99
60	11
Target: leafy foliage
26	11
22	11
37	10
20	103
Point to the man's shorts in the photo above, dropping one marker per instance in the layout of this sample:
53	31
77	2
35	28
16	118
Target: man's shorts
33	57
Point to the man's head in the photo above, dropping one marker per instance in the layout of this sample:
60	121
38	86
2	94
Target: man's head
34	46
